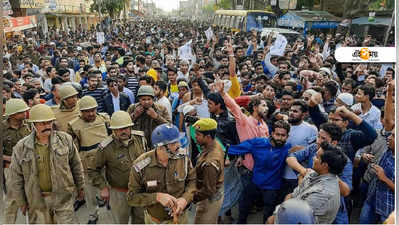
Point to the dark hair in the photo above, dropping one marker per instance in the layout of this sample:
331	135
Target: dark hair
162	85
367	90
331	87
261	77
287	92
281	124
140	59
48	70
254	103
172	69
333	130
334	157
111	80
62	71
217	99
349	81
30	94
91	75
148	79
56	80
304	107
282	73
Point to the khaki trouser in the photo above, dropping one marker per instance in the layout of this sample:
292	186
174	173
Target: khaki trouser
207	210
122	211
10	208
183	219
53	213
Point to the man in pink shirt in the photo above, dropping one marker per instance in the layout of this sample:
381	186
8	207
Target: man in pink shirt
248	127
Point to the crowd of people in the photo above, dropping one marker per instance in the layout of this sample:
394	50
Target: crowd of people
153	131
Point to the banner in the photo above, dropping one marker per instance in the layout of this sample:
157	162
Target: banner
209	33
100	37
185	52
278	47
20	23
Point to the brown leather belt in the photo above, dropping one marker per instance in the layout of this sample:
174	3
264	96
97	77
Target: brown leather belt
124	190
46	194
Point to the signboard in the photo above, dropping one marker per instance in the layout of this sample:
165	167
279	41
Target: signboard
100	37
31	4
20	23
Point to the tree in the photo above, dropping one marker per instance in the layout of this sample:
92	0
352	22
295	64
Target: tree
112	7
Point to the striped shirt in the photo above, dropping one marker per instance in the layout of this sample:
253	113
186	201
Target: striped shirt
98	94
133	84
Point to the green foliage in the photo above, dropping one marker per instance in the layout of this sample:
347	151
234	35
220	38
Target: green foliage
208	9
111	7
224	4
381	5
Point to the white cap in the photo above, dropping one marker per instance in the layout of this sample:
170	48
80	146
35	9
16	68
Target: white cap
346	98
325	69
79	48
187	109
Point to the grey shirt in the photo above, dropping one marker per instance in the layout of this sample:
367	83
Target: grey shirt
377	149
322	194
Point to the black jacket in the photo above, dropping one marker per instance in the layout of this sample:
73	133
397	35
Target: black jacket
124	103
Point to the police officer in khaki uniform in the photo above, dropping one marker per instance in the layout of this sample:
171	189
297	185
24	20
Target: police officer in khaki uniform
88	130
14	128
163	180
147	115
210	173
116	154
68	110
46	171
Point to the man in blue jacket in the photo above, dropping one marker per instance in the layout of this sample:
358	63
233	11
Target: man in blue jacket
269	162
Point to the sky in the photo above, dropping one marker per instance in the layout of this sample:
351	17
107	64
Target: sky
167	5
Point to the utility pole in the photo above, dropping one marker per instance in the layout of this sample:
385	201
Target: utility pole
2	40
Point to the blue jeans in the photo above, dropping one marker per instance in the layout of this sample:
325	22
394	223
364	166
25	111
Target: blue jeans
368	215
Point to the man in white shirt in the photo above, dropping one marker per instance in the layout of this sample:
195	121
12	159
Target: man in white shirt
160	89
365	109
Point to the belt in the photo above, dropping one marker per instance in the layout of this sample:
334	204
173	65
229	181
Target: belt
120	189
88	148
158	221
46	194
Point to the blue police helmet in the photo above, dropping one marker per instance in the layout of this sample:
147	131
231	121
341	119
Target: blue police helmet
165	134
295	211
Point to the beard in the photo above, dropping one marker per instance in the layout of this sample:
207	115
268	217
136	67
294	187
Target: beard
294	120
278	143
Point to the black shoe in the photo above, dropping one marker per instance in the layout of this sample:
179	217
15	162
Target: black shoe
93	219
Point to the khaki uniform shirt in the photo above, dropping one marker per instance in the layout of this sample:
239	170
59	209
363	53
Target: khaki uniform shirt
117	160
210	172
64	116
43	166
11	136
66	171
148	176
86	135
147	124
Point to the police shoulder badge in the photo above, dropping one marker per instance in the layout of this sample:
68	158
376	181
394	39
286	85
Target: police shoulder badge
141	164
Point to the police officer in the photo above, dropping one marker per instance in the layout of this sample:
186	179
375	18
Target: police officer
163	180
45	171
210	173
147	115
293	211
14	128
88	130
68	109
117	153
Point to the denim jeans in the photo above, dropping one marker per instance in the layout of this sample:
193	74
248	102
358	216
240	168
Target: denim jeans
368	215
270	199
